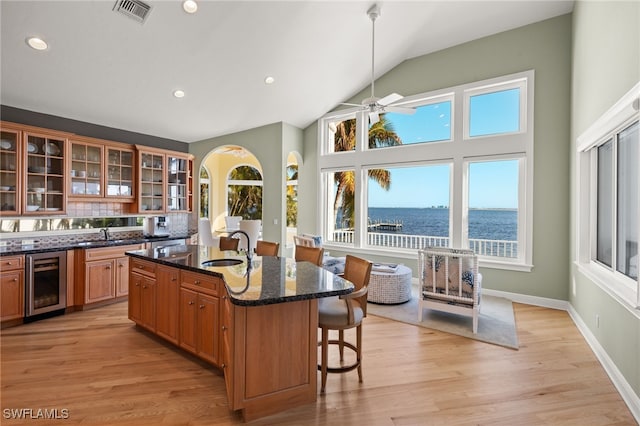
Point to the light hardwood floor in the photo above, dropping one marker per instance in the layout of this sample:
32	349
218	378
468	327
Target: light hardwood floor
102	369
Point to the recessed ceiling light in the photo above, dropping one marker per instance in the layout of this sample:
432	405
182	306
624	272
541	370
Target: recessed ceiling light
37	43
269	80
178	93
190	6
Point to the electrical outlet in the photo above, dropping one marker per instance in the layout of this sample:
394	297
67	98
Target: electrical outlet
275	221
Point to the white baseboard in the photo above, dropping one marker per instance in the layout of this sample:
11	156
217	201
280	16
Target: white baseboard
626	392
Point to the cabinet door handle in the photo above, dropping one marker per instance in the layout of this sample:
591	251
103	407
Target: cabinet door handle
197	282
107	267
15	280
9	263
201	306
174	279
191	302
224	328
140	266
224	297
121	265
144	286
223	365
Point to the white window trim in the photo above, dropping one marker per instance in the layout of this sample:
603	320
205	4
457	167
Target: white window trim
519	144
619	286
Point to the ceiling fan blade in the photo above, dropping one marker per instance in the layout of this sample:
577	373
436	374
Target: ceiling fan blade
389	99
374	117
348	104
400	110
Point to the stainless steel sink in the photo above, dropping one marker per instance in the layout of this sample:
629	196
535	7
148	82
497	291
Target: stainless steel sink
222	262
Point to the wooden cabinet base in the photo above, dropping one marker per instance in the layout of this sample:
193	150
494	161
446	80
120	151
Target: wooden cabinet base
267	381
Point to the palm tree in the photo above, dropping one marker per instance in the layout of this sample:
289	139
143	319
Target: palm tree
381	134
245	200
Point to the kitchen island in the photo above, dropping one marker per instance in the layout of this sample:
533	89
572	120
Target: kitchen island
256	322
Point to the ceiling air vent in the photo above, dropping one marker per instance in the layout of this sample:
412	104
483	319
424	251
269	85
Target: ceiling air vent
133	9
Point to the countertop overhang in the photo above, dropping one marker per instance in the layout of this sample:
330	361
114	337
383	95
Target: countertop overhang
269	280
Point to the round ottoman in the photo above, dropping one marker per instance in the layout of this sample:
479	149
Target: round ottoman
390	287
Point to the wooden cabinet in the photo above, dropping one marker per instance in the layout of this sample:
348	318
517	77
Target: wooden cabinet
167	303
226	341
103	274
120	172
10	182
200	315
86	174
101	169
179	183
11	287
142	293
165	181
151	182
43	186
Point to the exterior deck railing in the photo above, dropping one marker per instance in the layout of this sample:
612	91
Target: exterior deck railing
482	247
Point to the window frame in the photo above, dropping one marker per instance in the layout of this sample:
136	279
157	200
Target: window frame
458	151
621	115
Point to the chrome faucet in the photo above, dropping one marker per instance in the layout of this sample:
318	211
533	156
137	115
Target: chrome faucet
248	251
105	232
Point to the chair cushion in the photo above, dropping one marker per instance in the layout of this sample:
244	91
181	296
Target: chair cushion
333	312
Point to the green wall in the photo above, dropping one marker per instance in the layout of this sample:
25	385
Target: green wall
546	48
606	65
270	144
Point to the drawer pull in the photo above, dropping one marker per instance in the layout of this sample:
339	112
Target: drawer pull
201	306
15	280
9	263
140	266
197	282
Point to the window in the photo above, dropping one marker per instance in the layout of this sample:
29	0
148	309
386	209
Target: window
457	176
244	193
609	200
204	192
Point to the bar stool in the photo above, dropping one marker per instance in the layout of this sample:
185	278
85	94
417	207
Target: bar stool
342	313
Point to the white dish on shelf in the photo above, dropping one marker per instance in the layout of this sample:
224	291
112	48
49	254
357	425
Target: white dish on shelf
51	148
32	148
52	209
5	144
4	188
32	208
38	190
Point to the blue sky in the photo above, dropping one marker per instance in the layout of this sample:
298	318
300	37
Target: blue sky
492	185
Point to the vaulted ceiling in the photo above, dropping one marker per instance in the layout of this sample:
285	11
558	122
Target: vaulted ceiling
105	68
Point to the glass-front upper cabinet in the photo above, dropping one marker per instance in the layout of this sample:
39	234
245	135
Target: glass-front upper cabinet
9	180
86	170
151	182
120	165
44	182
178	183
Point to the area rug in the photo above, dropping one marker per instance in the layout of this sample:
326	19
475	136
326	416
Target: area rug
496	323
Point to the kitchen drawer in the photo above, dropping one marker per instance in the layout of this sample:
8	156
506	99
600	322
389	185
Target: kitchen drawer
11	263
200	282
142	267
109	252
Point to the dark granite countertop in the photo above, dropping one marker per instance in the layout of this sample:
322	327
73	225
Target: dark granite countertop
269	280
43	247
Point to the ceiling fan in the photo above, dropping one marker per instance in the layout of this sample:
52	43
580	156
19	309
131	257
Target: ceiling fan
373	105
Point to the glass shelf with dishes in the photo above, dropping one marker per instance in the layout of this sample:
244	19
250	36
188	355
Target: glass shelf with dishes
9	181
178	177
120	172
86	170
45	179
151	199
